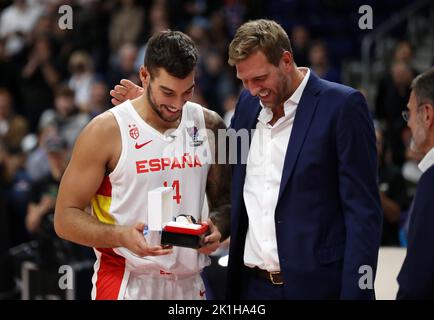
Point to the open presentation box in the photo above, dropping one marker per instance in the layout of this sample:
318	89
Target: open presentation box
175	231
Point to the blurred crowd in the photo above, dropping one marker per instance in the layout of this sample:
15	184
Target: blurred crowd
54	81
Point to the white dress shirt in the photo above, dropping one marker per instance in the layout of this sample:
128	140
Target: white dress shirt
427	161
263	175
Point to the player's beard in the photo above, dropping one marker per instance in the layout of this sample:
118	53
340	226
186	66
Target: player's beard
157	108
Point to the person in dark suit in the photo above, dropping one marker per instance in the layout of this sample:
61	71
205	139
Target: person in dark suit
416	278
306	213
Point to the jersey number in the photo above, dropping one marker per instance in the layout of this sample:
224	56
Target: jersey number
175	186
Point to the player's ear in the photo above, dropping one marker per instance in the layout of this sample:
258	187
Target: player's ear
145	76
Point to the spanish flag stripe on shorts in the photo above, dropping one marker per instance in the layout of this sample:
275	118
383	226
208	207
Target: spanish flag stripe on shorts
110	267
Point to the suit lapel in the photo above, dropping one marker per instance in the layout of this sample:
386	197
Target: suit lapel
303	117
253	119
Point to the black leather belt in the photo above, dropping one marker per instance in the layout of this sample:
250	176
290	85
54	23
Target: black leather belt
275	277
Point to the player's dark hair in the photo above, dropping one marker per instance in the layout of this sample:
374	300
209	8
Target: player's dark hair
173	51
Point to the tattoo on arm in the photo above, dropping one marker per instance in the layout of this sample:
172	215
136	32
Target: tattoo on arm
219	176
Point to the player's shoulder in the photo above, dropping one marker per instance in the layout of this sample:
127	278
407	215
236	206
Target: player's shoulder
100	138
104	122
103	126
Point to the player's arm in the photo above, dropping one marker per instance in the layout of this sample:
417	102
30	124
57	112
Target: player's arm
218	183
93	152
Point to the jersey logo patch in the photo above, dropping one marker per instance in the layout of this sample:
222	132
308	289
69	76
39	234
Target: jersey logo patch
193	133
134	131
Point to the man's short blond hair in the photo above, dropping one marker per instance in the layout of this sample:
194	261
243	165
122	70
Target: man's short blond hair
265	35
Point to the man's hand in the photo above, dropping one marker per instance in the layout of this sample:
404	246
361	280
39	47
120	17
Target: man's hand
211	241
124	91
132	238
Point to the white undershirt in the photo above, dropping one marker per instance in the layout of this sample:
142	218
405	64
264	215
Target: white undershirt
427	161
262	184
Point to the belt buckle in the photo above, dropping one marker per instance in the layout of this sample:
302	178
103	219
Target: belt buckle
271	274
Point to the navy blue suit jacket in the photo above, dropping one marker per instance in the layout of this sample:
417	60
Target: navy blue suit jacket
416	278
328	215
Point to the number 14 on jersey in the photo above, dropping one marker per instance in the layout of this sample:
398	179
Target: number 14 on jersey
175	186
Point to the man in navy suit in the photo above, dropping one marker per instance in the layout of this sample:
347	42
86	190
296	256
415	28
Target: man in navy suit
416	278
306	212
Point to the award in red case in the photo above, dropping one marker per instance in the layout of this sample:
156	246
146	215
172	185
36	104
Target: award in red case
182	234
181	231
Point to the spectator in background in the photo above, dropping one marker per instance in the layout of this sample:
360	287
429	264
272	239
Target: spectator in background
300	45
126	24
37	160
198	30
392	95
13	127
214	81
43	27
320	64
7	285
158	21
44	192
9	75
16	22
123	67
393	193
82	78
66	117
99	99
158	17
218	33
416	278
403	52
39	79
234	12
93	29
16	191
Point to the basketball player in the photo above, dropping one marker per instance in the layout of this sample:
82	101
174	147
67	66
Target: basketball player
158	139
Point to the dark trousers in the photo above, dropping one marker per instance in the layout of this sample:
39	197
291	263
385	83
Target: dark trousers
258	288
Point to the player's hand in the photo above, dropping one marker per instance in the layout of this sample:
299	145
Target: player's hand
132	238
125	90
212	241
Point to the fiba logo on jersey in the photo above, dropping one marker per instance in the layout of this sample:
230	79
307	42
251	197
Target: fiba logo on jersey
193	133
134	131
